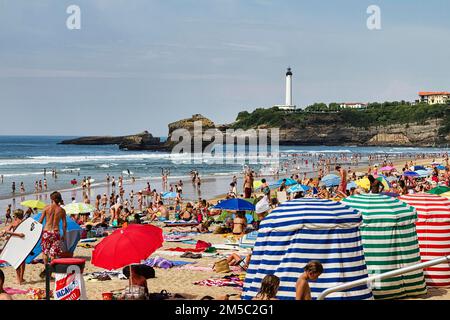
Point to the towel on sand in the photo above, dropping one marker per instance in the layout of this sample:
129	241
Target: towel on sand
227	281
12	291
158	262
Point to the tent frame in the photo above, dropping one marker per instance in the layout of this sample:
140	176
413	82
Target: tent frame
370	280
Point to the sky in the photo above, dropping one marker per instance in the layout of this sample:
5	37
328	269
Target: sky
138	65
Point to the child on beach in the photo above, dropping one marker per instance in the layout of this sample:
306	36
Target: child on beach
312	272
269	288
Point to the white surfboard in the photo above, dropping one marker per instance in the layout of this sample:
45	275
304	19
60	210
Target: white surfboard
17	249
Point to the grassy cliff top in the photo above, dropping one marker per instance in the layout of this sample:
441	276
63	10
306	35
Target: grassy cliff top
375	114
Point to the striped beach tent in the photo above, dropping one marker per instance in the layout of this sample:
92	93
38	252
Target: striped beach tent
302	230
390	242
433	229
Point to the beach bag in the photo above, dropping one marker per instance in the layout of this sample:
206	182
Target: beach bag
221	266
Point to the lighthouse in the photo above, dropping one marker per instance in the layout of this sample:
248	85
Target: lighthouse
289	88
289	104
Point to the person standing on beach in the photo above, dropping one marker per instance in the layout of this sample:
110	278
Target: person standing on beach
10	231
8	215
342	189
13	187
248	184
22	188
52	241
45	184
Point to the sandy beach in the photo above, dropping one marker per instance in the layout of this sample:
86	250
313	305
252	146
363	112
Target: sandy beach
176	280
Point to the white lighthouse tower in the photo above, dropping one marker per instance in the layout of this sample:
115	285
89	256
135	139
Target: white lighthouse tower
289	104
289	88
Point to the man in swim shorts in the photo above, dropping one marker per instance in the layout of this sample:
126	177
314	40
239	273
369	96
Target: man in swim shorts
342	189
52	241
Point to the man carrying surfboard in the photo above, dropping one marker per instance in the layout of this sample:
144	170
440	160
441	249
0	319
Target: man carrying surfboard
10	231
52	241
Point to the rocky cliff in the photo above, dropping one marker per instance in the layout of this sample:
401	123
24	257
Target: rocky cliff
141	141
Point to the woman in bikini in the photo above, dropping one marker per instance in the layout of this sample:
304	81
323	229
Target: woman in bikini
239	223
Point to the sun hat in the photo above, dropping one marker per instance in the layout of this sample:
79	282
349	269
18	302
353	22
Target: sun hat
262	206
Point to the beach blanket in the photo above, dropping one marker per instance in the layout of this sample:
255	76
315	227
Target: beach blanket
227	281
177	238
177	254
158	262
208	268
178	249
12	291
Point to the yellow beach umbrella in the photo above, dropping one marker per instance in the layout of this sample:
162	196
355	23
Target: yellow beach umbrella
257	184
447	195
34	204
363	183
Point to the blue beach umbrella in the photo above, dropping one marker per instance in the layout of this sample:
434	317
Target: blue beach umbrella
169	195
423	173
289	182
330	180
73	235
419	168
352	184
440	167
298	188
302	230
411	174
235	205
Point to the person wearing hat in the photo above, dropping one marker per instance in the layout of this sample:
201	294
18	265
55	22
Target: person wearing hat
10	232
262	208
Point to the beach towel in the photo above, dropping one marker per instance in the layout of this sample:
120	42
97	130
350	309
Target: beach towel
178	249
158	262
208	268
202	245
12	291
227	281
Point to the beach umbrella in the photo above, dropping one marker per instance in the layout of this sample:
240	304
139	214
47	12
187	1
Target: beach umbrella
289	182
257	184
352	184
411	174
390	242
439	190
440	167
433	230
127	246
33	204
169	195
298	188
423	173
330	180
302	230
73	235
78	208
235	204
415	168
387	169
446	195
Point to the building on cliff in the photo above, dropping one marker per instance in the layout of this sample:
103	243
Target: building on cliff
353	105
434	97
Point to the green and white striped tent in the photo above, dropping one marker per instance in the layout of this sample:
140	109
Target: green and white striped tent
390	242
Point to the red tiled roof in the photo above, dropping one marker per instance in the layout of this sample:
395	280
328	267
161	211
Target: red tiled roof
434	93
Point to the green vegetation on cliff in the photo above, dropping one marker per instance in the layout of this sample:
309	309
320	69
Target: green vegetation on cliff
376	114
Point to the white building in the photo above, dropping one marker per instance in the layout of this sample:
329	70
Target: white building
353	105
434	97
289	105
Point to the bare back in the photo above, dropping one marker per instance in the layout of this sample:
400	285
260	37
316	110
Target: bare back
53	215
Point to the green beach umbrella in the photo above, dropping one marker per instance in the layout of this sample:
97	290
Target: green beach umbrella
439	190
390	242
33	204
78	208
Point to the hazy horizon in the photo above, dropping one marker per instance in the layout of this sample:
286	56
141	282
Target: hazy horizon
139	65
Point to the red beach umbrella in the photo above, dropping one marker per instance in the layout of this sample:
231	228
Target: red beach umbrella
127	246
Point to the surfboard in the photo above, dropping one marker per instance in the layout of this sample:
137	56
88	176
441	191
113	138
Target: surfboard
17	249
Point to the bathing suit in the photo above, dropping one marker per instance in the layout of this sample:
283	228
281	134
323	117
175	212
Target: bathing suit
51	243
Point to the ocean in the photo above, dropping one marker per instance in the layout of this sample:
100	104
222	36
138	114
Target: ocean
24	159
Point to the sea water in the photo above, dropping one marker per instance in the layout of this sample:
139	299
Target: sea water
24	159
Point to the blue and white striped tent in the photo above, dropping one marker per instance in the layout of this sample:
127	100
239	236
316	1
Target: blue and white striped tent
302	230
